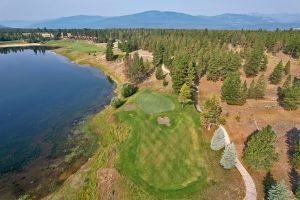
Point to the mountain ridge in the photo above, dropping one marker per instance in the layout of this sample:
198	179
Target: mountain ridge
167	19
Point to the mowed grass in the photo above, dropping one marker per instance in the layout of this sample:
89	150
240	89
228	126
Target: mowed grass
154	103
166	161
77	45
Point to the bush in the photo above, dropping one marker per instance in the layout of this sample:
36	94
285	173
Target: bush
159	74
228	159
218	140
128	90
116	102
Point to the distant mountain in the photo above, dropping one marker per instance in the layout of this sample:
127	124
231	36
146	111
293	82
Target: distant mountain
158	19
79	21
16	23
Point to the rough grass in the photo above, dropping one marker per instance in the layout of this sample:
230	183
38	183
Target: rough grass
80	46
151	103
168	162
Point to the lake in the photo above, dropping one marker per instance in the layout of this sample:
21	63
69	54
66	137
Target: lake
43	96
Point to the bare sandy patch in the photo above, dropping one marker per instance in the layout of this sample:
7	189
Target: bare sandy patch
163	121
107	180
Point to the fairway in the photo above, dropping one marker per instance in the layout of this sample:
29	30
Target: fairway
167	161
79	46
151	103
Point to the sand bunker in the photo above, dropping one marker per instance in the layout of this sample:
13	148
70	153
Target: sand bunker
163	121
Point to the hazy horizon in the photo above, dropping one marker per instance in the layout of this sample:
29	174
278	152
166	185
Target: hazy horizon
40	10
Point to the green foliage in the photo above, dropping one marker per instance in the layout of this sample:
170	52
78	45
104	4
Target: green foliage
256	60
297	195
159	74
165	83
277	74
136	69
158	55
228	159
279	192
185	94
109	55
251	90
218	140
295	157
289	95
116	102
179	71
211	110
268	182
260	149
233	92
128	89
258	90
287	68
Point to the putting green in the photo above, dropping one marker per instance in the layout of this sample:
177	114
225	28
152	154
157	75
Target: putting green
151	103
167	161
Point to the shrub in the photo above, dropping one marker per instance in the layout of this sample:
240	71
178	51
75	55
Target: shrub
228	159
218	140
159	74
116	102
260	149
128	90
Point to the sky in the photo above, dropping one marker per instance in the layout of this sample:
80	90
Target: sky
46	9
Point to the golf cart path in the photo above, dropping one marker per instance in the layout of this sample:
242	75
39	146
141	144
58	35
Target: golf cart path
249	183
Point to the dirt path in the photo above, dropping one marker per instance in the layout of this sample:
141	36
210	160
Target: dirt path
249	183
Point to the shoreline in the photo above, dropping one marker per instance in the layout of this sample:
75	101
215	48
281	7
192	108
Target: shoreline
88	117
20	45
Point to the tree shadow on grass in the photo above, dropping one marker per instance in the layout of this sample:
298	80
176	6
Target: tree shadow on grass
293	138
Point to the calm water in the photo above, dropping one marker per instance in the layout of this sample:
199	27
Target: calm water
41	95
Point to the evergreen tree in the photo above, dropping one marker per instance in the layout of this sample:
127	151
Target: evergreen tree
218	140
264	63
228	159
268	182
279	192
287	68
251	90
191	74
211	110
213	68
243	94
179	71
289	96
255	60
159	74
260	87
158	55
136	70
277	74
109	52
185	94
260	149
232	91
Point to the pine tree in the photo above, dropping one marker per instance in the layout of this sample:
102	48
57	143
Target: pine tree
232	91
109	52
264	63
228	159
251	90
243	94
290	96
185	94
268	182
159	74
136	69
287	68
218	140
213	68
260	87
179	71
260	149
279	192
211	110
158	55
277	74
